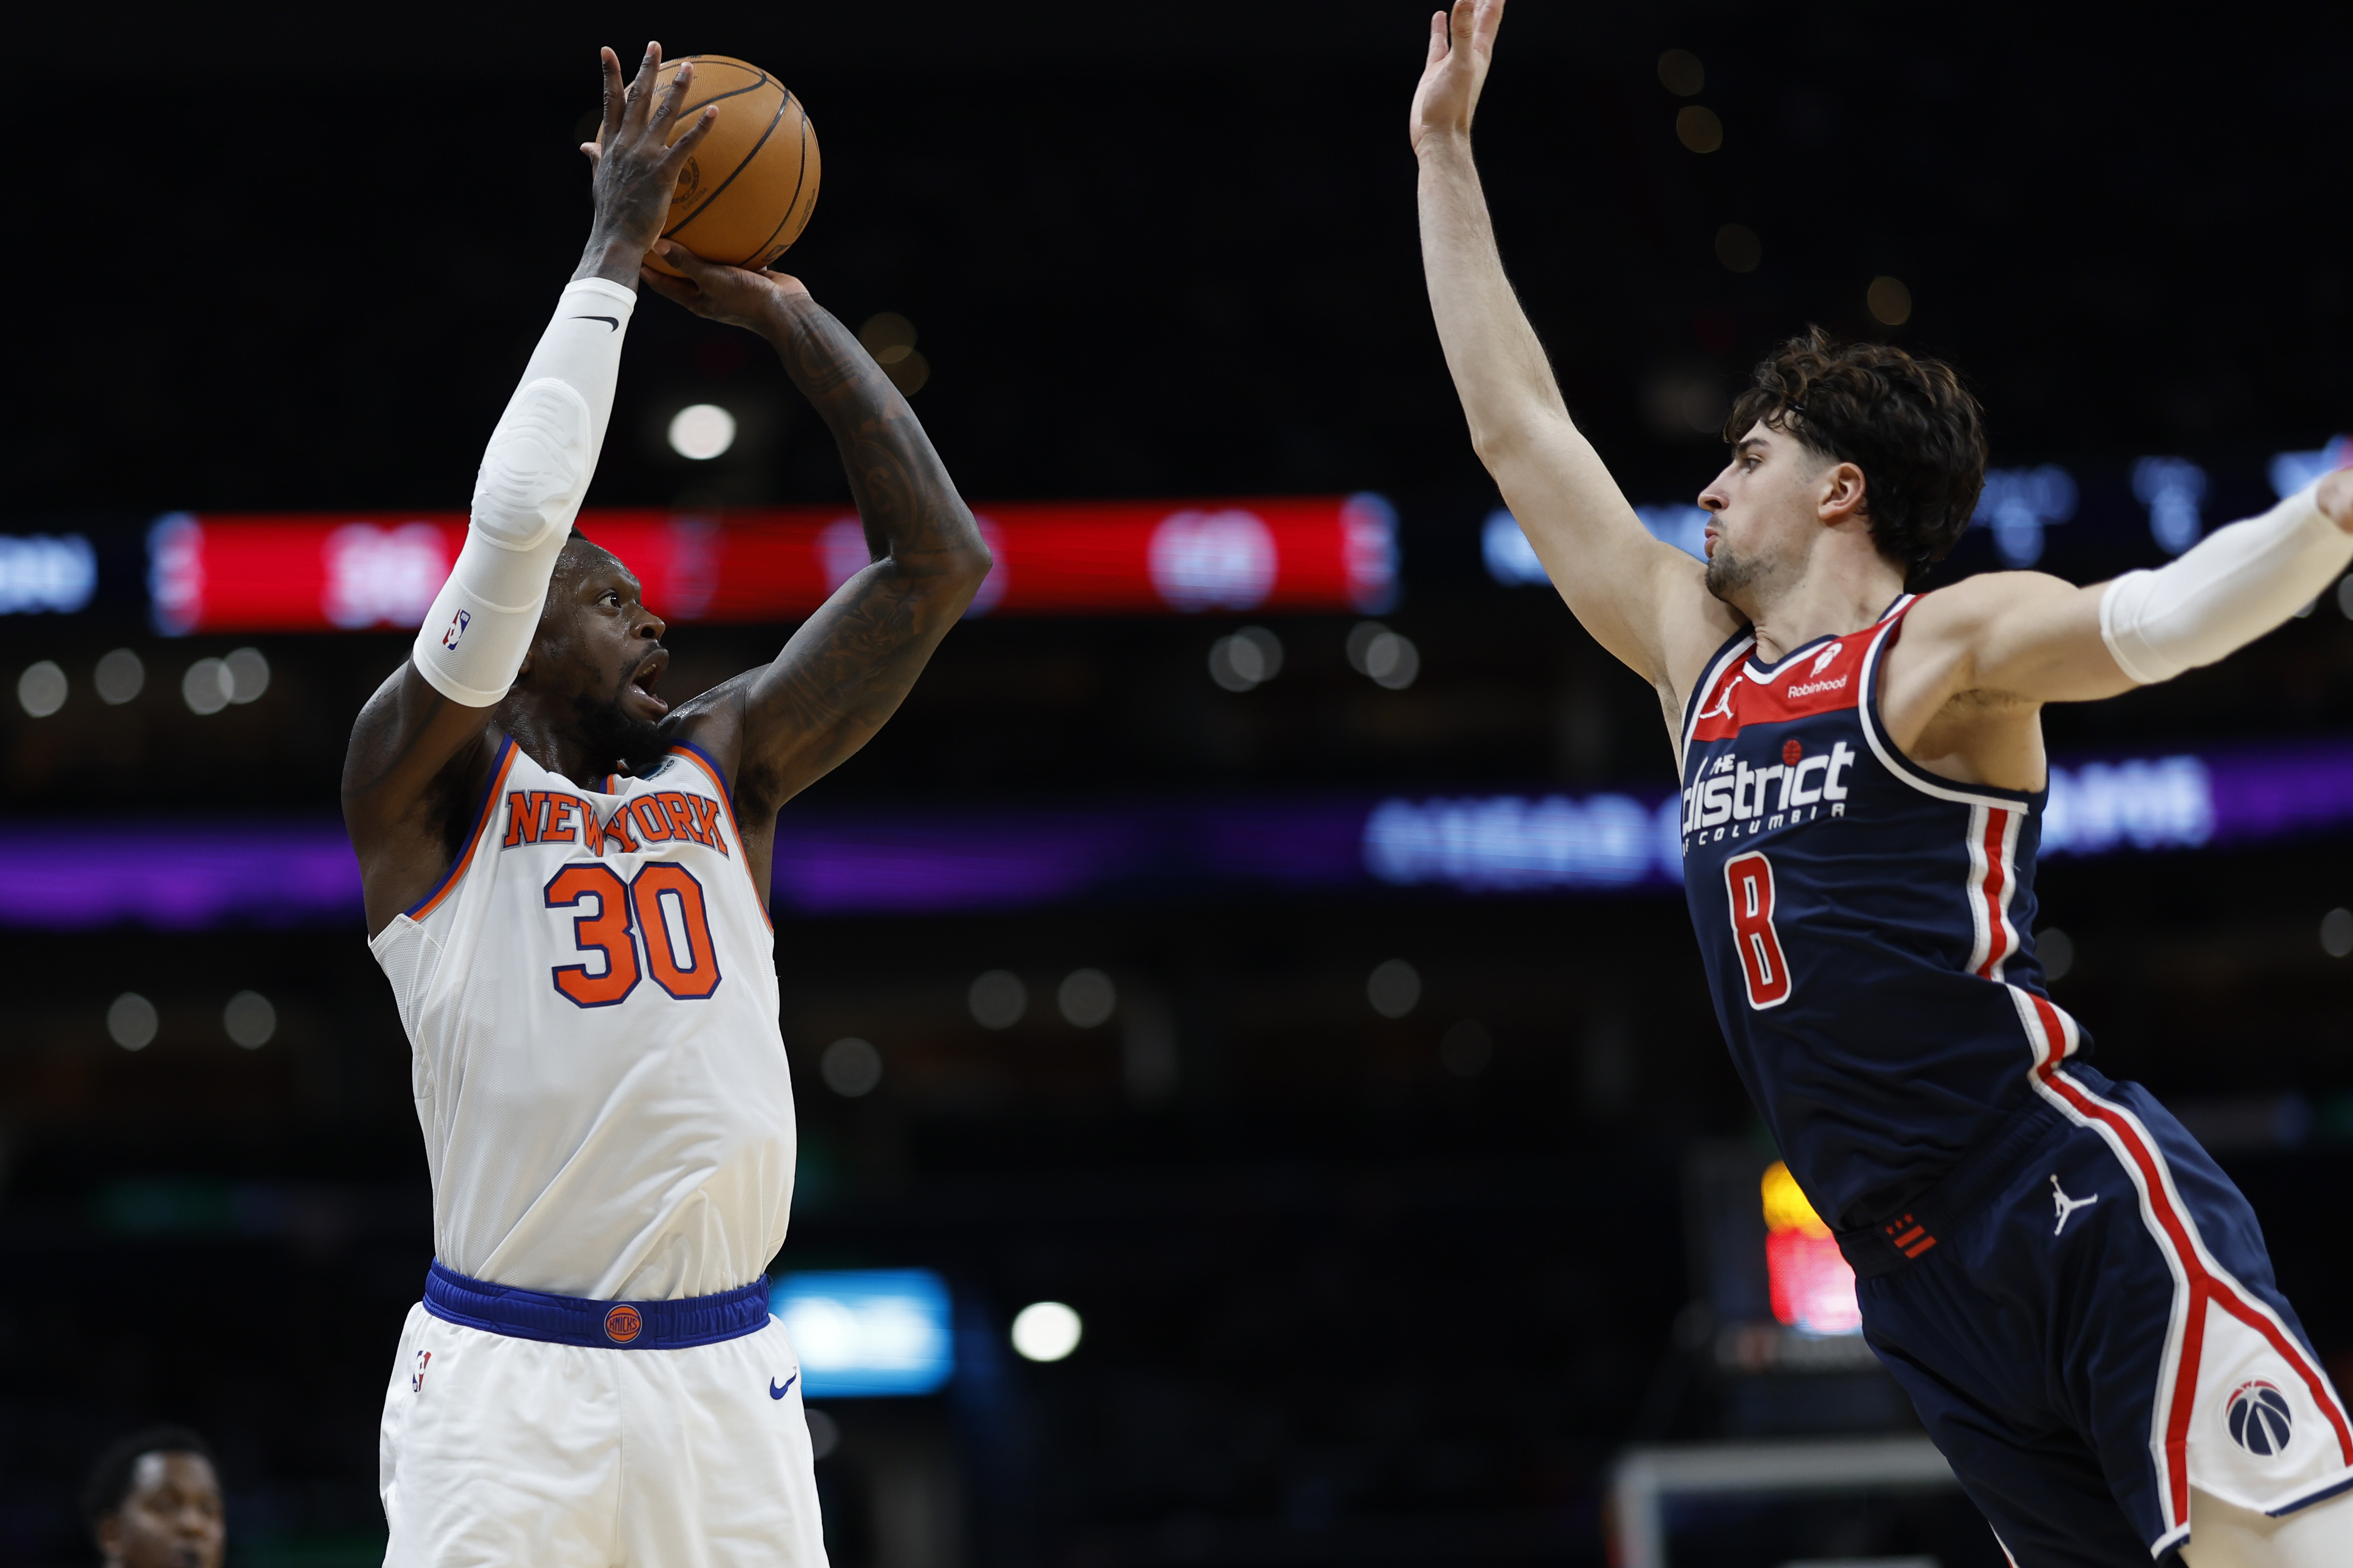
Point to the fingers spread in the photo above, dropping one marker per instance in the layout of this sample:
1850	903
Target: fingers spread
641	90
676	93
694	134
609	64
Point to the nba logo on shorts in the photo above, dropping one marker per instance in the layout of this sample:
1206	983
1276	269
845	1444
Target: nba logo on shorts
458	625
622	1324
2260	1419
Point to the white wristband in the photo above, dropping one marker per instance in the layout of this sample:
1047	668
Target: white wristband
2229	589
534	477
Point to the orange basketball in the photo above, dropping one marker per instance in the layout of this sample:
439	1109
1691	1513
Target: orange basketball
747	192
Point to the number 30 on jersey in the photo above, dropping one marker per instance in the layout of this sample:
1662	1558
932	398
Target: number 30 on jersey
1748	882
667	903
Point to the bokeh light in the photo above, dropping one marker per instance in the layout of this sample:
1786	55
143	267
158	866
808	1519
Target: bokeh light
1394	988
1697	128
1681	73
1046	1330
41	689
1087	998
207	685
249	1020
1890	301
2337	932
132	1021
1737	246
701	431
998	999
2057	951
851	1068
119	678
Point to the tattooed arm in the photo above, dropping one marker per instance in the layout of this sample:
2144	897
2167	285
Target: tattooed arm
778	728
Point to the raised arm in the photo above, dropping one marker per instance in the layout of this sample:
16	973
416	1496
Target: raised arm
2015	640
423	741
778	728
1641	599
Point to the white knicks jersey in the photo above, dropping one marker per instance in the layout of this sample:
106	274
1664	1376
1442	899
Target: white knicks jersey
590	996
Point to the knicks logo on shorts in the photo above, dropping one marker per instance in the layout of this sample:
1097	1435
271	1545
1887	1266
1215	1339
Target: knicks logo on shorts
2258	1418
622	1324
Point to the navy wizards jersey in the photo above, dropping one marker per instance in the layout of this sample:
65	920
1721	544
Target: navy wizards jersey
1866	925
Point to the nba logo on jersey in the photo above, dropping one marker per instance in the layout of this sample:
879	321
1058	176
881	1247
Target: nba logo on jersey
458	625
2258	1418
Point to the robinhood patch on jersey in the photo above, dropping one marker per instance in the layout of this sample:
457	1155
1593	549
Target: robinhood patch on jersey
1811	682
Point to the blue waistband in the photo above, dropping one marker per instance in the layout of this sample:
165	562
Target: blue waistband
603	1325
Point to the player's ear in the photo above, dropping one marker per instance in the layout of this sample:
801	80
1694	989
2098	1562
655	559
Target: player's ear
1843	493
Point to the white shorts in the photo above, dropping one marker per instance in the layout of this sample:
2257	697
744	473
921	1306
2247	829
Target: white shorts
501	1452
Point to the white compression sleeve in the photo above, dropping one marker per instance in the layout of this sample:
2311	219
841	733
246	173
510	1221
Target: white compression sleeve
532	481
2233	586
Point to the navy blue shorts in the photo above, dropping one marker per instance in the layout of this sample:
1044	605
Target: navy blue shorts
2084	1316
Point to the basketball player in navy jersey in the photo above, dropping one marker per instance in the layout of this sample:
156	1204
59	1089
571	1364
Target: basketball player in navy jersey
2075	1297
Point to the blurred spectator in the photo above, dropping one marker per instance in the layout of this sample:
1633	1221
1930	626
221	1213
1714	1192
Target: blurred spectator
153	1501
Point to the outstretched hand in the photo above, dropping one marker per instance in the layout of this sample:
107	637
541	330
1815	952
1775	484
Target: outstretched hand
637	165
1461	46
716	291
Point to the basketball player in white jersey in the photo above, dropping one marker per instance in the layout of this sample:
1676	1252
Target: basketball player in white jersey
566	881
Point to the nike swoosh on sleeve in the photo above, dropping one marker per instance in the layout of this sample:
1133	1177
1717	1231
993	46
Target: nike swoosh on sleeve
612	321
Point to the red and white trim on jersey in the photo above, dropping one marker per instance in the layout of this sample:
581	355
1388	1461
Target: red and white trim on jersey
2200	1282
1995	818
1993	876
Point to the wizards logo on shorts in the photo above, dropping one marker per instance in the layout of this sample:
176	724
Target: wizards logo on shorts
2260	1419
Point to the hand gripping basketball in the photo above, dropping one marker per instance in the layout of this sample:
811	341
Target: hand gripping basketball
716	291
637	164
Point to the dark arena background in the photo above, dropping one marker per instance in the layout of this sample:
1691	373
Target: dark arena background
1291	983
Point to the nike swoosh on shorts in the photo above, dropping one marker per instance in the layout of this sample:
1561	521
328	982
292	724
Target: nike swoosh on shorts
775	1393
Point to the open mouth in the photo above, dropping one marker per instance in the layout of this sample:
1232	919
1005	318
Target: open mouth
639	690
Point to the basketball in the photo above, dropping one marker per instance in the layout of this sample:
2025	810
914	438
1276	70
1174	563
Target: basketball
747	192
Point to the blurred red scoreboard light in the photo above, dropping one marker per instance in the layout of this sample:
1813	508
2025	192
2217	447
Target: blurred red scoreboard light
339	572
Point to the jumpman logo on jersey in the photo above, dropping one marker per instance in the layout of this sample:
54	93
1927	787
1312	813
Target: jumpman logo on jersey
2067	1205
1722	708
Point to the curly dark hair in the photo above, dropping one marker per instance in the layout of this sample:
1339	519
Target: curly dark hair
1916	432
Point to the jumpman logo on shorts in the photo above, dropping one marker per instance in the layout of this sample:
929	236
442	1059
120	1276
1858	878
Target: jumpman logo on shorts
2067	1205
